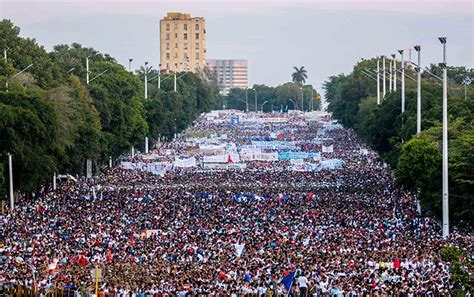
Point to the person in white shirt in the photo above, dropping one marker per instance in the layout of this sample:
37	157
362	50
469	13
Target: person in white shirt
303	283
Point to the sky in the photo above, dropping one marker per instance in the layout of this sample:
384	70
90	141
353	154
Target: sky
327	37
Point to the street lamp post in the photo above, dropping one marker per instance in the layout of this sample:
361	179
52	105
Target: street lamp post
256	106
5	49
390	75
130	64
467	81
384	88
394	72
266	101
246	101
294	103
159	76
302	98
10	172
146	80
378	81
175	69
445	142
87	70
418	91
403	81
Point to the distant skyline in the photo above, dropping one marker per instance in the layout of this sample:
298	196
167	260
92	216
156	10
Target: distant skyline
327	37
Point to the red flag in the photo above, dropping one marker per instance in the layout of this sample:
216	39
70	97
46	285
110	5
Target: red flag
229	159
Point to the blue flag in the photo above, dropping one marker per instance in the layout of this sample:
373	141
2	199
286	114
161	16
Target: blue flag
288	280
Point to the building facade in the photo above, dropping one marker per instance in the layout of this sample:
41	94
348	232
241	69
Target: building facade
182	42
229	73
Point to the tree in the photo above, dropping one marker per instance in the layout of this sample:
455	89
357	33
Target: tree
28	130
299	75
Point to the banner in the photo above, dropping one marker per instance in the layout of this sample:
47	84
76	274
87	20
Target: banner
185	163
239	248
260	157
294	155
327	149
220	166
331	164
227	158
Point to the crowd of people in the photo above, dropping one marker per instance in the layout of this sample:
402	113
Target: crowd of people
240	231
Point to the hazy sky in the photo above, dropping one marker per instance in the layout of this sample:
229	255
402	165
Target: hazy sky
325	36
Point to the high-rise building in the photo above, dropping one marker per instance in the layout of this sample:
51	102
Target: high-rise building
182	42
229	73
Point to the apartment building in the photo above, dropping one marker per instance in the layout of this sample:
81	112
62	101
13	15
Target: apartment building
182	42
229	73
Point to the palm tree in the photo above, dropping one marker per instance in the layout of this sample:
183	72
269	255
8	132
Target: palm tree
299	75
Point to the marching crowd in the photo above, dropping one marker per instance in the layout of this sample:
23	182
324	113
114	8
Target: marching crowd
260	231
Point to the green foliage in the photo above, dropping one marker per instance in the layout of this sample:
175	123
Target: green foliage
352	100
300	75
289	95
27	130
459	268
25	51
52	121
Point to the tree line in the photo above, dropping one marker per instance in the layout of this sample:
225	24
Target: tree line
294	95
52	121
416	160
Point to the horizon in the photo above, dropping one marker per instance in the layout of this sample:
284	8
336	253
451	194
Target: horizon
130	30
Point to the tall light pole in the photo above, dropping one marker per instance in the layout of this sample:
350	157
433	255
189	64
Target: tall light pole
390	75
246	100
175	69
418	91
403	81
87	70
302	102
384	87
266	101
5	49
159	76
445	141
146	80
394	72
466	81
10	171
130	64
256	106
378	81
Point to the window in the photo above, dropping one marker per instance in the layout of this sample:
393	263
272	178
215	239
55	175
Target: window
185	56
197	35
167	56
197	27
185	27
185	46
197	56
185	36
176	55
167	65
167	36
197	45
167	27
167	46
175	35
175	45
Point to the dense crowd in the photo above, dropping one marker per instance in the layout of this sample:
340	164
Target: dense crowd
190	231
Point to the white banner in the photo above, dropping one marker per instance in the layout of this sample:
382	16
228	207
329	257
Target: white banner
239	249
260	157
227	158
189	162
327	149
